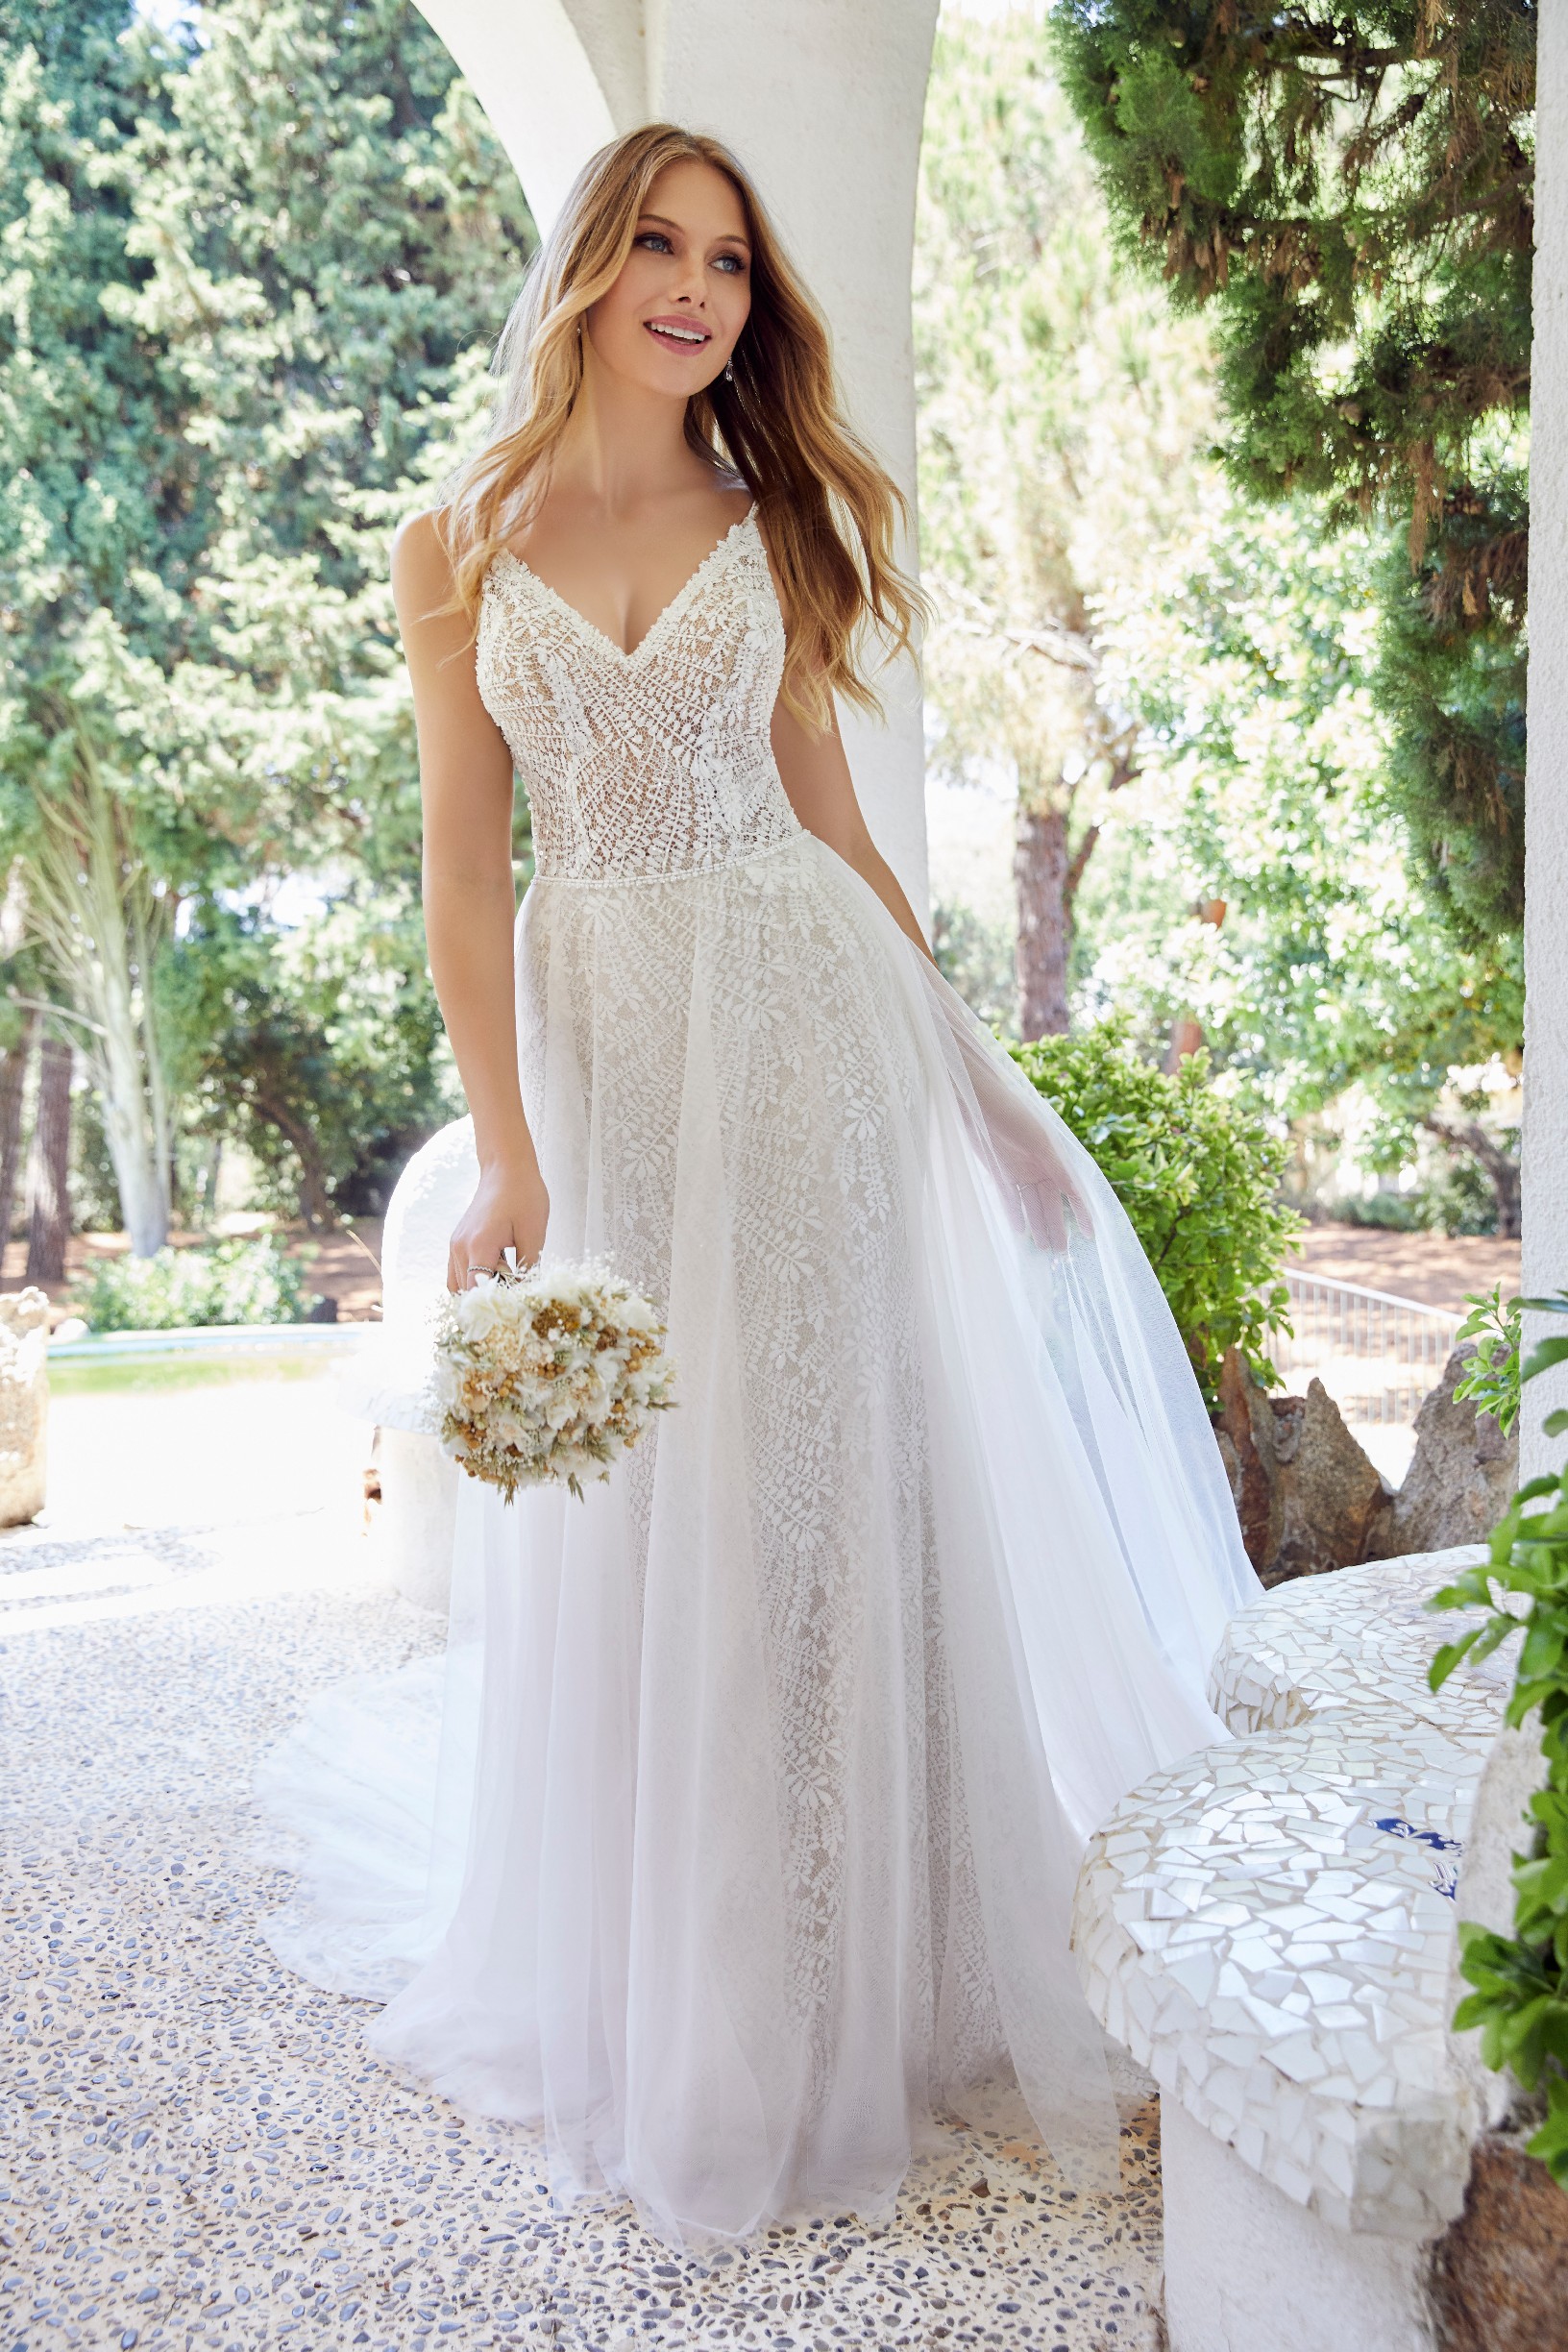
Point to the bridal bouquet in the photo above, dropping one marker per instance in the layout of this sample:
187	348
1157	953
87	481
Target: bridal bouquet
547	1373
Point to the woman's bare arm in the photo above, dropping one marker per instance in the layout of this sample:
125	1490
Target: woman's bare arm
465	773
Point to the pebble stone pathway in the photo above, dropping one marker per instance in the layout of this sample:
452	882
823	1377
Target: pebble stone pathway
195	2150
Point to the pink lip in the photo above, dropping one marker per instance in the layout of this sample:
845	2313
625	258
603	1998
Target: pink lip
685	326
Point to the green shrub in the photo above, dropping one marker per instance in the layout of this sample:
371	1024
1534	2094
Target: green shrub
1462	1200
1197	1174
234	1282
1383	1211
1492	1381
1520	2001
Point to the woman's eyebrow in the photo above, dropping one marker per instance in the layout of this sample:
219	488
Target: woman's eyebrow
728	237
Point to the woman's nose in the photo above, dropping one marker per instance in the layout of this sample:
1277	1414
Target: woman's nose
688	286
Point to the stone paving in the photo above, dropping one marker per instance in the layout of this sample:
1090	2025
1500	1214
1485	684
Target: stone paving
197	2151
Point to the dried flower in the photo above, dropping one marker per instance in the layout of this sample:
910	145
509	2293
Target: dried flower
547	1373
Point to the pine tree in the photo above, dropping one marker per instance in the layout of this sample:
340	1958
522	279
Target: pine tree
253	276
99	532
1348	188
334	237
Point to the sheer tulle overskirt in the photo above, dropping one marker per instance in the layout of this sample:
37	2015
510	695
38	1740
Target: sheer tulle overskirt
745	1837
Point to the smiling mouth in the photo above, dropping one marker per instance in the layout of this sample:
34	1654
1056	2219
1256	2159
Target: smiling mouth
677	338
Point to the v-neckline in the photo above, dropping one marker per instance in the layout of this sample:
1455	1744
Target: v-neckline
592	629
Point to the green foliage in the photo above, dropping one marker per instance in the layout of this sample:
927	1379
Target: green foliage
334	236
318	1047
1350	194
1265	784
1451	677
1382	1212
1520	1998
181	1289
252	273
1492	1382
1461	1199
976	957
1063	417
99	530
1197	1174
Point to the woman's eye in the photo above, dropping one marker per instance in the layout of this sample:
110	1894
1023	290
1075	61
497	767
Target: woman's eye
732	263
654	237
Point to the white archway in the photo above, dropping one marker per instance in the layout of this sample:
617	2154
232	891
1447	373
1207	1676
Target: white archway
1546	823
823	102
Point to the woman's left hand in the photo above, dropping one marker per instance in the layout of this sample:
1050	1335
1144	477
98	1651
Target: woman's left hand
1033	1170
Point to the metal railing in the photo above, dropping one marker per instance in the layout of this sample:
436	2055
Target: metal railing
1378	1355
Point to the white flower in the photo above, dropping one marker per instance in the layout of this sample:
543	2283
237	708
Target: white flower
552	1374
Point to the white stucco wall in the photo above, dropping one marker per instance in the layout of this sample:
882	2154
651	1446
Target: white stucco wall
824	104
1546	827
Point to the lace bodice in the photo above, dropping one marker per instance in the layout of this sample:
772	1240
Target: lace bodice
654	762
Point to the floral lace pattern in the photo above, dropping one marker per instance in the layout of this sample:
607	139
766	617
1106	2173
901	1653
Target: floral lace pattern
749	974
656	762
763	1771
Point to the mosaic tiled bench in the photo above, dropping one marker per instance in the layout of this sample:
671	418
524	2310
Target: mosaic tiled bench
1362	1637
1268	1927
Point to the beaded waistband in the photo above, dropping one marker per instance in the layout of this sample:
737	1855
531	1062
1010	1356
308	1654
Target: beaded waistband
677	874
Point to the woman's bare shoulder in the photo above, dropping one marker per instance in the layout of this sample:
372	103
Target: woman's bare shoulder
419	559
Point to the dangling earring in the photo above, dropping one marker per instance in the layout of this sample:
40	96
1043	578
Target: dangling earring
729	372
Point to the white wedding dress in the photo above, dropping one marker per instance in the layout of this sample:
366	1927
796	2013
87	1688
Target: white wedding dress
736	1835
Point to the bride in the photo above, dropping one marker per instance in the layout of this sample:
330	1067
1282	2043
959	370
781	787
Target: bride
747	1845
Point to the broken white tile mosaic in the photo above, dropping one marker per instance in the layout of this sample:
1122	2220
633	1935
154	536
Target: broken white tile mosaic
1314	1866
1362	1637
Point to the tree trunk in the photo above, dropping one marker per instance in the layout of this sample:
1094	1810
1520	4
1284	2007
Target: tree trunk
1040	876
1501	1170
1185	1040
48	1196
315	1200
13	1082
92	909
145	1201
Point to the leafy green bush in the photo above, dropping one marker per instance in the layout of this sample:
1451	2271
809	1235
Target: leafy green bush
1382	1212
1197	1174
234	1282
1461	1200
1520	2001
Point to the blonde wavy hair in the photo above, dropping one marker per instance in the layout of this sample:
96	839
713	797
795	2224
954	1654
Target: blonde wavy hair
829	512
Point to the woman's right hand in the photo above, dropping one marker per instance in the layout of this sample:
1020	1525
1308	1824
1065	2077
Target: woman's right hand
510	1210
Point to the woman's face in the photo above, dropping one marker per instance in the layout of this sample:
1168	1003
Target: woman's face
672	318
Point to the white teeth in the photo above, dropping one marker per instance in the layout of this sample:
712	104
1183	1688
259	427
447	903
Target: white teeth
678	334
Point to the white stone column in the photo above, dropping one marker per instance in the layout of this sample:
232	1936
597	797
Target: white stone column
1546	823
824	105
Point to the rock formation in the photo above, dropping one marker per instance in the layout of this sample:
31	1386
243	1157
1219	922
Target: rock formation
1308	1497
1461	1480
24	1404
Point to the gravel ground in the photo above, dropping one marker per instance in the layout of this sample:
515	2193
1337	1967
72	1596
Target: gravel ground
201	2152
